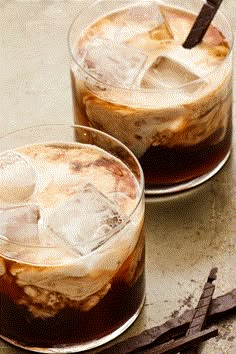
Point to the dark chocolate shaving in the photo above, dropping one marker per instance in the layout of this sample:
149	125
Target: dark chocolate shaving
201	310
220	307
183	343
202	23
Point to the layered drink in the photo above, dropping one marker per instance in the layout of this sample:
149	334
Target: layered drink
132	78
71	246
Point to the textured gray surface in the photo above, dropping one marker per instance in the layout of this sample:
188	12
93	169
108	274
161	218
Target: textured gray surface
185	236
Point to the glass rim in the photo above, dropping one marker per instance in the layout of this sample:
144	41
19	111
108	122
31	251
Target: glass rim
118	227
145	90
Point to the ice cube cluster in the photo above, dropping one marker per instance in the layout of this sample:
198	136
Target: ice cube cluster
82	222
123	49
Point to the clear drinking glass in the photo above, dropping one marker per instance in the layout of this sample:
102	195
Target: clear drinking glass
71	238
171	106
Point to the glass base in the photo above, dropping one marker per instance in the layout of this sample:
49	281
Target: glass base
151	194
85	346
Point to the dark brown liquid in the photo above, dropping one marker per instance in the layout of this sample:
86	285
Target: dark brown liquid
70	326
165	167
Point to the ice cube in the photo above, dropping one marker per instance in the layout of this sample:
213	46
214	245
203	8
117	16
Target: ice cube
20	224
168	73
115	64
133	21
195	60
177	66
145	14
17	177
178	22
86	220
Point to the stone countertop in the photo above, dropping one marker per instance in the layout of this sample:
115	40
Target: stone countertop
186	235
